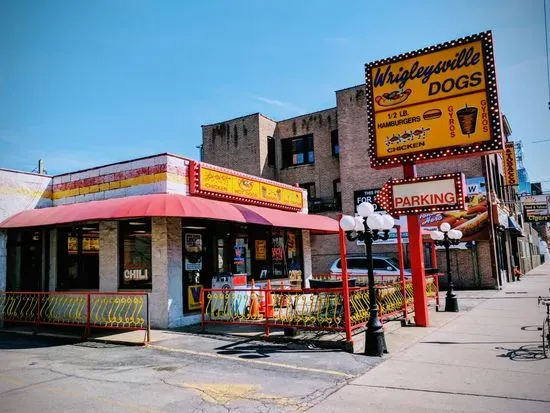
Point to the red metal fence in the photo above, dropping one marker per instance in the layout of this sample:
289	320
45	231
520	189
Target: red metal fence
122	311
317	309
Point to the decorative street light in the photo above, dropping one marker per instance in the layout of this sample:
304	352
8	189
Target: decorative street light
445	238
369	226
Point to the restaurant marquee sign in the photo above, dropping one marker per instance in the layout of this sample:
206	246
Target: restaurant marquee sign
215	182
435	102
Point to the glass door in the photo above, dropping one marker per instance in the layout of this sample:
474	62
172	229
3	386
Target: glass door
193	270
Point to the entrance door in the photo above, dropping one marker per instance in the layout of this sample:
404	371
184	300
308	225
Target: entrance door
193	269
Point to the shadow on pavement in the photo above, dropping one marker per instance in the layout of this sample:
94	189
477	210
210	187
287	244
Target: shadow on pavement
249	349
10	341
527	352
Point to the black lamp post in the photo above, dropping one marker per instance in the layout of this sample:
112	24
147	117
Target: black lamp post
445	238
369	226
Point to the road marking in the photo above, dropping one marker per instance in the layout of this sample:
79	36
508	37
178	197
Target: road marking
262	362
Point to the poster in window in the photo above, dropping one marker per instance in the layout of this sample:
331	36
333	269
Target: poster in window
193	252
291	245
194	297
260	249
239	255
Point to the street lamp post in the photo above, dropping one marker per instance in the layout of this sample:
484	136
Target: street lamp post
369	226
445	238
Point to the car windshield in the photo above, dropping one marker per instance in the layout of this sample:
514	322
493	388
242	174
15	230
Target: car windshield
355	263
394	262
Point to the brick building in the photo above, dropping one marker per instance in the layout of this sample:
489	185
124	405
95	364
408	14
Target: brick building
325	152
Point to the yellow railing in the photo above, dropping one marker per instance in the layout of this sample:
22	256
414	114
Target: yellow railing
309	308
103	310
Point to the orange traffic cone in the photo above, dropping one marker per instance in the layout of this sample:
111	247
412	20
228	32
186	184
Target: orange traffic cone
254	308
269	299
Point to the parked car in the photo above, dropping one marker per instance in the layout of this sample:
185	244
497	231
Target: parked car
385	268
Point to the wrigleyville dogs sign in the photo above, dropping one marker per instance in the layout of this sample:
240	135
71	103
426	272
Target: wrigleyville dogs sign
436	102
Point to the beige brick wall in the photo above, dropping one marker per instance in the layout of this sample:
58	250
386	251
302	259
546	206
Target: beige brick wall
234	144
326	167
266	128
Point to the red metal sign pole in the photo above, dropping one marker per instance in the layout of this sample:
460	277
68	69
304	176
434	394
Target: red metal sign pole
345	285
402	272
417	261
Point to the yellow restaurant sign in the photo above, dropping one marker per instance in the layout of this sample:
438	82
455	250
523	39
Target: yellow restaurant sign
435	102
218	182
509	165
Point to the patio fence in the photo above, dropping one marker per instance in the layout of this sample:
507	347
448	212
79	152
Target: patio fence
315	309
122	311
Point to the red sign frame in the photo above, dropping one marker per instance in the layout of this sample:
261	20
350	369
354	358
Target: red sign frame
385	196
196	187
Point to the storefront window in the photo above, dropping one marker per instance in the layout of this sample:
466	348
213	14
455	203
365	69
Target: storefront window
278	255
241	255
135	253
78	257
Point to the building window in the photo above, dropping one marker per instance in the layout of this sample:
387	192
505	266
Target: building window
310	187
298	151
78	257
270	151
334	143
337	193
135	254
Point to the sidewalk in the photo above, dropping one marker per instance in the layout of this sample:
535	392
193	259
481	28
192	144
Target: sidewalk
487	359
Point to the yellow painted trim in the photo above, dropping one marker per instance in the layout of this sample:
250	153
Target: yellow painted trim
124	183
7	190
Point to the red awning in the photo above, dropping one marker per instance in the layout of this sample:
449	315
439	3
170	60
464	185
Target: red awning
167	205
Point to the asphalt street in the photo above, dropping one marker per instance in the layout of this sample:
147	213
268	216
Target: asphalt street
187	374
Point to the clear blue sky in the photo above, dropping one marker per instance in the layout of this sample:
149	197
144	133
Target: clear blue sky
84	83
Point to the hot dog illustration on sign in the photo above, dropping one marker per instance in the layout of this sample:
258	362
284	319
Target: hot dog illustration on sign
393	98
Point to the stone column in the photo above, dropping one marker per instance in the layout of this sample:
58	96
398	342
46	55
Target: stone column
166	298
53	260
175	272
306	250
108	256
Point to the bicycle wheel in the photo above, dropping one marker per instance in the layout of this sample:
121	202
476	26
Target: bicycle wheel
546	337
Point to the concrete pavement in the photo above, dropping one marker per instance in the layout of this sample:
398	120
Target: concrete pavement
488	359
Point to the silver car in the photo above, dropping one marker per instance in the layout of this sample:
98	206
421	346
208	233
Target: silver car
386	269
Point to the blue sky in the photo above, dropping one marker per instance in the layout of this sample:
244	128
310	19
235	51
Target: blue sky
84	83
